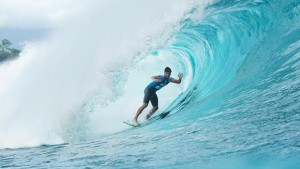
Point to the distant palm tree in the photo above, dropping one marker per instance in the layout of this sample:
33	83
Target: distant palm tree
7	53
4	44
14	52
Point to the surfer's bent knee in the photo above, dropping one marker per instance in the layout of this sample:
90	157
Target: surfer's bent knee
145	104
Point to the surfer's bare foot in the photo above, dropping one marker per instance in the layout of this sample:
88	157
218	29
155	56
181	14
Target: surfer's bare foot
135	122
148	116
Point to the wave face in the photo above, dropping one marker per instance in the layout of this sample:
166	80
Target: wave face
239	104
243	99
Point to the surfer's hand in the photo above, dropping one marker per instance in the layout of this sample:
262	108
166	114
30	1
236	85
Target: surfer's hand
155	79
180	75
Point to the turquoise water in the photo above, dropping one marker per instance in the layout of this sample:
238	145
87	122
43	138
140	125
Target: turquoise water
240	109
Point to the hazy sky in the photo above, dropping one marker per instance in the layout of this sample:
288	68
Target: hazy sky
32	19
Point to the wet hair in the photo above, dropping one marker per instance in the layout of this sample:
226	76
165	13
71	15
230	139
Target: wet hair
167	69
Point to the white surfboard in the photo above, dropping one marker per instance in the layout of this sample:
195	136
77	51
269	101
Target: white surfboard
130	123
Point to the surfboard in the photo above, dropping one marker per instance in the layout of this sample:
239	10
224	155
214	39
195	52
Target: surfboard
128	122
146	122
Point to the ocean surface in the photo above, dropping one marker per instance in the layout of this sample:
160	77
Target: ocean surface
237	107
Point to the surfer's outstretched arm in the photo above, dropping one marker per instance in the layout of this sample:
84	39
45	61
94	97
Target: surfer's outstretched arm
178	81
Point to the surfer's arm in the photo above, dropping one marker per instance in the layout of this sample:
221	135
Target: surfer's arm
154	78
178	81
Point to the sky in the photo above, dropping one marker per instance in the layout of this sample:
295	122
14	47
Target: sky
32	20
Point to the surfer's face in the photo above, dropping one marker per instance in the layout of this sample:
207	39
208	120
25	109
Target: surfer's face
167	74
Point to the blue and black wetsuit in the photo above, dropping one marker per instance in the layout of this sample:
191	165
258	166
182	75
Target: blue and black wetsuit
150	90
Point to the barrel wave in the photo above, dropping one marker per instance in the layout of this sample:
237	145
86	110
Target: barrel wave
239	106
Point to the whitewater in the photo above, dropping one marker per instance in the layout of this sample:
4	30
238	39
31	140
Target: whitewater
63	101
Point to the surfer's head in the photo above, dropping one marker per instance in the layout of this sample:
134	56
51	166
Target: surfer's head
167	72
167	69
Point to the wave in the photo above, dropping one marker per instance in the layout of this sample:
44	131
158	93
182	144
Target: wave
240	61
237	47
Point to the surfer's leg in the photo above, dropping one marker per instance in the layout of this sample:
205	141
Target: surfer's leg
154	102
147	96
152	111
139	111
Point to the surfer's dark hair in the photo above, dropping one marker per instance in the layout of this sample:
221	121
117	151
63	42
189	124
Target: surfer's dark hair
167	69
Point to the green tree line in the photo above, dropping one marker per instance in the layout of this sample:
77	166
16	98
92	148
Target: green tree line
6	52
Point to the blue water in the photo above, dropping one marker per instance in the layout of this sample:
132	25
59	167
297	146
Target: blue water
240	109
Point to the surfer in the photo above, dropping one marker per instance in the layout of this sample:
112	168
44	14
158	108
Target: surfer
158	82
